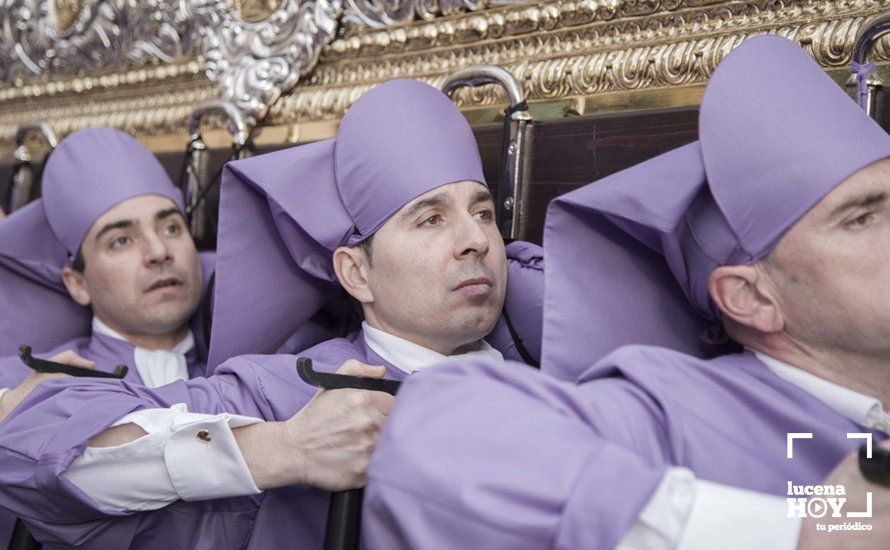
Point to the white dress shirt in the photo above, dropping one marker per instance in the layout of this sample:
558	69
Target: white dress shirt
155	367
688	513
410	357
173	462
134	466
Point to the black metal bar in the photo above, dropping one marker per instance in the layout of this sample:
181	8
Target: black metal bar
334	381
343	529
42	365
22	538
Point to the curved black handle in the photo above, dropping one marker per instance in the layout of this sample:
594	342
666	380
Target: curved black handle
344	526
334	381
42	365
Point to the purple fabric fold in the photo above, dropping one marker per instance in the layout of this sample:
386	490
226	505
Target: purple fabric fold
481	454
283	214
52	426
523	304
88	173
647	239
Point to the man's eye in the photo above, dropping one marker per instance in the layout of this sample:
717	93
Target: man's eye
172	229
432	220
485	215
120	242
860	221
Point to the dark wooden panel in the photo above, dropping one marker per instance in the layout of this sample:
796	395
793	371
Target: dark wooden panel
565	153
571	152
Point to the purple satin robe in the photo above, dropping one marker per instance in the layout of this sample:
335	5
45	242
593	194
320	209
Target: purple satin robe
475	455
106	351
68	415
268	387
89	172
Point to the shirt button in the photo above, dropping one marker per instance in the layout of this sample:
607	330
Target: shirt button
203	435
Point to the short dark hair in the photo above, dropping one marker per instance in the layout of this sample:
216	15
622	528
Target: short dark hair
366	246
79	263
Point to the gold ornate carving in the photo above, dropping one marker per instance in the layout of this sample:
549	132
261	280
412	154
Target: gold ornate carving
575	56
63	13
254	11
571	49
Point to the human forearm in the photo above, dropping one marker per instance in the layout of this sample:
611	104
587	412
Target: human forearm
270	455
118	435
327	444
265	447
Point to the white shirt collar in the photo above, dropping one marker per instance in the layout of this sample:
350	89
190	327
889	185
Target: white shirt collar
409	357
860	408
155	367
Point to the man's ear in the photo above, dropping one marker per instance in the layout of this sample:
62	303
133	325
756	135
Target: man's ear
76	285
351	266
742	293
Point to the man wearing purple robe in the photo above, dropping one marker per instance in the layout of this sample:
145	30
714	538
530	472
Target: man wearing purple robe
776	225
395	211
122	217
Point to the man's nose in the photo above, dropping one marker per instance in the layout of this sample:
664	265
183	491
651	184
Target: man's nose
473	240
157	250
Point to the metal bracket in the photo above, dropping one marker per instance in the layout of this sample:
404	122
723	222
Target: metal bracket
867	82
24	180
516	119
193	181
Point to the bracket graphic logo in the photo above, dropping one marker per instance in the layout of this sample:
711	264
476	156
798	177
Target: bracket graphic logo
826	501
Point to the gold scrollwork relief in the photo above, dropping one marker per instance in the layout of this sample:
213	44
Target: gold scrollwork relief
558	50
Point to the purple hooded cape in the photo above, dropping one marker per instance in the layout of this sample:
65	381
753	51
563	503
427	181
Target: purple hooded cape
31	288
283	214
475	455
478	455
88	173
766	154
53	425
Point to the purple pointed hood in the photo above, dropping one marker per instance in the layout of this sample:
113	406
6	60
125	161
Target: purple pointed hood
88	173
283	214
636	249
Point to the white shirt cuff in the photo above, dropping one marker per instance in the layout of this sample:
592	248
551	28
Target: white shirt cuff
662	521
738	519
690	514
167	464
204	460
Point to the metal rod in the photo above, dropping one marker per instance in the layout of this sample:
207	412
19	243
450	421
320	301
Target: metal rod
238	124
344	525
867	81
510	199
42	365
24	178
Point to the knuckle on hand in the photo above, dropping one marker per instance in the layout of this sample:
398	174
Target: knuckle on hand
358	399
